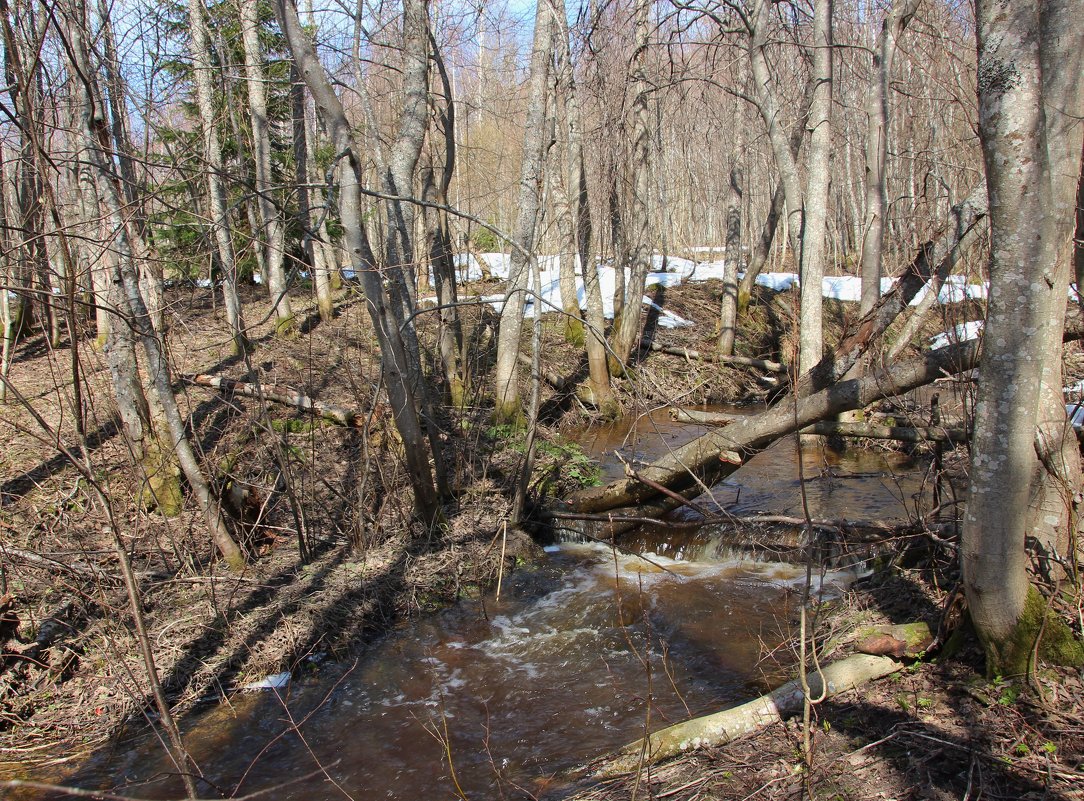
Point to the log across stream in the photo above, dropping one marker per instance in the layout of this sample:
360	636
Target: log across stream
556	672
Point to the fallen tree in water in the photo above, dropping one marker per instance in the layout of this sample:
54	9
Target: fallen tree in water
689	470
831	428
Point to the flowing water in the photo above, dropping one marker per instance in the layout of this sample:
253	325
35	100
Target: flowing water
575	659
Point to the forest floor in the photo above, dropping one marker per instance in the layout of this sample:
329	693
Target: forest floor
70	675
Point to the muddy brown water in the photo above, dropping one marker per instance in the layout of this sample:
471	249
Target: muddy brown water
576	657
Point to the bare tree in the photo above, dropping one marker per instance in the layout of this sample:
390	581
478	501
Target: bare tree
1029	124
215	175
506	377
394	362
728	317
877	115
636	255
272	225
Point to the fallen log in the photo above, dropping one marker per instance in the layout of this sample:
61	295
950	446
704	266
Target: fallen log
687	469
721	728
557	382
715	358
283	395
830	428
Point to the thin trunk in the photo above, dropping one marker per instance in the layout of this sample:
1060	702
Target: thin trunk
947	250
818	168
216	187
877	114
637	255
314	253
759	257
728	317
95	143
393	354
450	334
506	380
597	391
272	226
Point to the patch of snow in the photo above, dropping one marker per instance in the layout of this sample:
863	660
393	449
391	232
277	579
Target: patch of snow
964	332
779	282
667	319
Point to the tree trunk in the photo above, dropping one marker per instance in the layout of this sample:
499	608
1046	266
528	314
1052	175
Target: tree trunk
638	239
818	167
718	729
216	189
506	380
272	228
1029	111
441	258
728	317
393	354
597	390
567	158
314	252
95	142
877	114
718	453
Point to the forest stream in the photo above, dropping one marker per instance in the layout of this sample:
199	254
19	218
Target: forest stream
575	658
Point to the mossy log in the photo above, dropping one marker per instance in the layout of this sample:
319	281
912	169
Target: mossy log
721	728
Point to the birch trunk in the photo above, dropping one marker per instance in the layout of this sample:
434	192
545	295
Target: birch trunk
818	167
626	330
216	189
1029	110
728	315
272	226
507	406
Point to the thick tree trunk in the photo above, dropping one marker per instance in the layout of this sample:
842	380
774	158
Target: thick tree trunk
216	189
506	379
1029	112
272	226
